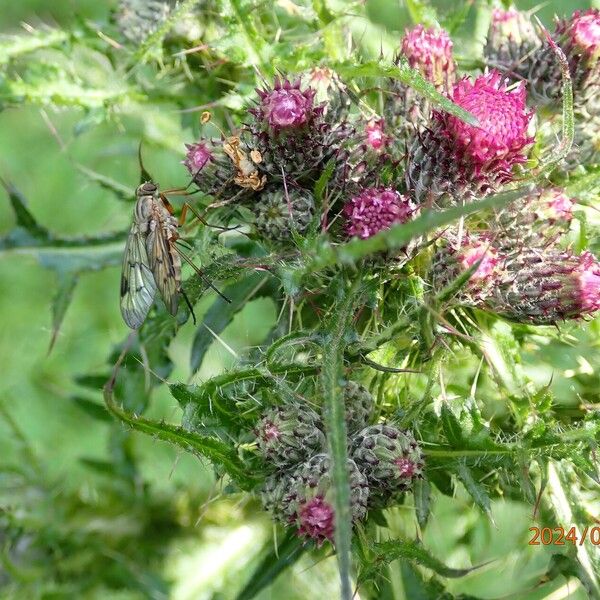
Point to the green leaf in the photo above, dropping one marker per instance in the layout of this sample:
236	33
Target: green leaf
60	303
411	77
220	453
452	427
475	489
585	187
422	495
12	46
24	218
422	12
383	553
122	192
561	150
93	409
273	564
221	313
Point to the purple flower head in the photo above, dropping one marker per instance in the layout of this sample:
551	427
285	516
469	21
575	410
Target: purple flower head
430	51
584	32
376	138
196	157
316	520
476	250
375	209
499	142
511	25
589	283
548	287
286	106
555	206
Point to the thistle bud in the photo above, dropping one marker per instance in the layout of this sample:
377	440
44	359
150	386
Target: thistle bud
456	255
430	52
390	459
290	131
511	42
308	504
212	170
359	406
549	286
376	209
330	92
289	434
454	161
579	38
279	212
538	220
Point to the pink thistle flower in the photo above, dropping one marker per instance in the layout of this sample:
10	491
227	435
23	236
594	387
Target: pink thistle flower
589	283
556	206
544	288
196	157
584	32
286	106
514	27
316	520
430	51
478	250
375	209
498	143
376	138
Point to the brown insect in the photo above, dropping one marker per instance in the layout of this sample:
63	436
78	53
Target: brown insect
247	175
151	260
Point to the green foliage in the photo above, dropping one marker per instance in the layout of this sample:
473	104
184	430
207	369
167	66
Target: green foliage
493	423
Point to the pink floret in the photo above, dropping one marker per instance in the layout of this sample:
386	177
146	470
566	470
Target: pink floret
502	135
375	209
316	520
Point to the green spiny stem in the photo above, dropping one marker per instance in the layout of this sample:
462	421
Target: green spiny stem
561	150
18	45
335	426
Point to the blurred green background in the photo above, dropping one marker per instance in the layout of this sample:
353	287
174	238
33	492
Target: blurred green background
216	552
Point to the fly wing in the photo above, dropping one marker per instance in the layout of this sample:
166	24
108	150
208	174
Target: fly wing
137	282
165	265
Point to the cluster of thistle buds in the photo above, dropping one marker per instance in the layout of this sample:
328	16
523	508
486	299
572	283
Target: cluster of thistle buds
383	463
303	137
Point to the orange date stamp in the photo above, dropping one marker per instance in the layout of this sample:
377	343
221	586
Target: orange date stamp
559	536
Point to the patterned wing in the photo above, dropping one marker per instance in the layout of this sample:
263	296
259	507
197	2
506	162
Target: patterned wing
165	265
137	282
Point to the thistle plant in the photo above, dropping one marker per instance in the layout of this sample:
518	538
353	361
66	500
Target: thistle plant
406	247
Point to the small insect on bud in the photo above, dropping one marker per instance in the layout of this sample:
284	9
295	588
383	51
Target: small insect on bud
289	434
308	503
391	460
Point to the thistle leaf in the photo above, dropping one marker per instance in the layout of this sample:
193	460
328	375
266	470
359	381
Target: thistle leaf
383	553
273	564
221	313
